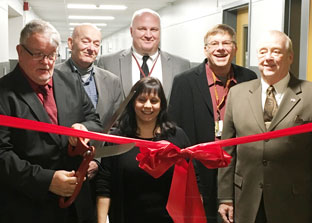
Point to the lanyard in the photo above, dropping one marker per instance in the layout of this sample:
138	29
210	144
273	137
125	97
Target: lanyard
137	62
216	93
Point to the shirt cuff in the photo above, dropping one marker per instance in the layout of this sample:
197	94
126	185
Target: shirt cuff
225	201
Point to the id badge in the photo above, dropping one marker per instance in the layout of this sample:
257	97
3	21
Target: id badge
218	128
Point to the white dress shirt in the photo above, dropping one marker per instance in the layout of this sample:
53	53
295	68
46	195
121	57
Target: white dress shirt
279	88
157	71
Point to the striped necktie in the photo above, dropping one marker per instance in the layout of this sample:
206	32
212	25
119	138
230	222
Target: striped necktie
270	106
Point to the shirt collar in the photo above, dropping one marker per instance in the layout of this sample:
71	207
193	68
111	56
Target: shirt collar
139	56
210	78
279	87
81	72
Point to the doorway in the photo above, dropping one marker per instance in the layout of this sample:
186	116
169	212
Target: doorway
242	37
237	17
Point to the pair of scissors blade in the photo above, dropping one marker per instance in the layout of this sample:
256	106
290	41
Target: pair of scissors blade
105	151
118	112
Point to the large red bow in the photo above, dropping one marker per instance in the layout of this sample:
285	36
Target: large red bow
184	203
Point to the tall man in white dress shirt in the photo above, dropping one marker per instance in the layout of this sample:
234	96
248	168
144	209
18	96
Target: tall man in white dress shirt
145	31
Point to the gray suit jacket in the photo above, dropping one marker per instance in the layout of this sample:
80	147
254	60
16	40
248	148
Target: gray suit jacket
120	63
109	90
279	169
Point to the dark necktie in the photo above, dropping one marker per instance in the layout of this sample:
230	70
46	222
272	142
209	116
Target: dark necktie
144	67
49	103
270	106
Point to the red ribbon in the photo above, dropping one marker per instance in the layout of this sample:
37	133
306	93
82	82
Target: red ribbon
184	204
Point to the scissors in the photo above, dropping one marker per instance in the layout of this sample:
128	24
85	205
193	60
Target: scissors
98	150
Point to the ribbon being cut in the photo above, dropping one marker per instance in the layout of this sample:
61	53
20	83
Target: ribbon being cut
184	203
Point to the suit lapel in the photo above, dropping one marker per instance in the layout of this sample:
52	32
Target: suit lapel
202	82
59	96
125	61
167	71
238	74
255	104
30	97
290	100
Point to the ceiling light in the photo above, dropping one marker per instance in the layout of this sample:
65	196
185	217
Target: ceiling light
89	6
72	28
96	24
81	6
113	7
91	17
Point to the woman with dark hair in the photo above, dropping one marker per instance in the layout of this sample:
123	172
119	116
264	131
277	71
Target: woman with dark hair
125	191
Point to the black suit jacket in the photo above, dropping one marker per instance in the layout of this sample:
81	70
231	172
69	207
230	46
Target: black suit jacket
28	159
190	106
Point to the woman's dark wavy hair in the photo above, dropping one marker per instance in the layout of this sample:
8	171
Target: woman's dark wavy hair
127	124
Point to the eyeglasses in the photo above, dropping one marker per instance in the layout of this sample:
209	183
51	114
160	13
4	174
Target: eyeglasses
215	44
41	56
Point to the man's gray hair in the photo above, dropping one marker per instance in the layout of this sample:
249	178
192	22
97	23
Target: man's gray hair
145	10
42	27
280	34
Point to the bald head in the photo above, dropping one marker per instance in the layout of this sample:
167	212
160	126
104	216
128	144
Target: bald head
83	28
85	44
142	11
145	31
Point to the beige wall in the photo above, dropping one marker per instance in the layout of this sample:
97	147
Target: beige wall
309	70
4	37
185	23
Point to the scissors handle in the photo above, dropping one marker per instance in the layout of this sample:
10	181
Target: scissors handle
87	152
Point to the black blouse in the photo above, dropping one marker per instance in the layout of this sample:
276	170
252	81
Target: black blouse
135	195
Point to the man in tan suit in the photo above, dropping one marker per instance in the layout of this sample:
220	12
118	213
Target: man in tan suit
268	181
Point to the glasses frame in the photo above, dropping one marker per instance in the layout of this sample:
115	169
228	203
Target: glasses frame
223	44
41	56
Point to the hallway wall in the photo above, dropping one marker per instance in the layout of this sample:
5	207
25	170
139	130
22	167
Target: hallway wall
183	30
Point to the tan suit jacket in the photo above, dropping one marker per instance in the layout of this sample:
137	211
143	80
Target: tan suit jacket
279	169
